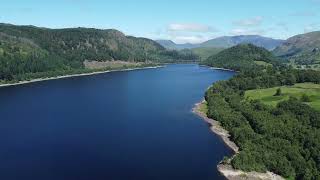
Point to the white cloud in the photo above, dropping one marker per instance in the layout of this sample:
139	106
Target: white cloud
189	32
190	39
190	27
240	31
255	21
181	37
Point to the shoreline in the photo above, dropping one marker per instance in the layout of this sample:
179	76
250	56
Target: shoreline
76	75
217	68
226	169
224	69
216	127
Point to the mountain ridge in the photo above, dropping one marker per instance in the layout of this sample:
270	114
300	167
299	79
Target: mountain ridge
226	42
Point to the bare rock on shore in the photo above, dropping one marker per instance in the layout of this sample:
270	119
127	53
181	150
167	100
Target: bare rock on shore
230	173
216	128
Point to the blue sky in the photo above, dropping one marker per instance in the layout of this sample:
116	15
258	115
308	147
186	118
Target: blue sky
179	20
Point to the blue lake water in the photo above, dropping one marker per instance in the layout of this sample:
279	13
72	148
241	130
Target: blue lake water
134	125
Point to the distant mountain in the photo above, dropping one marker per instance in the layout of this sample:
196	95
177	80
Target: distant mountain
168	44
226	42
303	49
241	57
229	41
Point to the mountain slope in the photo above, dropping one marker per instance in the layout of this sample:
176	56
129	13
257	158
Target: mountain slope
229	41
205	52
302	49
93	43
29	49
241	57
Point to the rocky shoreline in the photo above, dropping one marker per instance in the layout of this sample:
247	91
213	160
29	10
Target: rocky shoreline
224	167
216	127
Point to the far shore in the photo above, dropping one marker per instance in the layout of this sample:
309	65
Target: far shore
224	69
217	68
224	167
75	75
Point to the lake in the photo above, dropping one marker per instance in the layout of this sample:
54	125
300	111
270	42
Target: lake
114	126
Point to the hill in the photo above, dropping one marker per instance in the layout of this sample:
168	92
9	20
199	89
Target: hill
30	49
205	52
303	49
240	57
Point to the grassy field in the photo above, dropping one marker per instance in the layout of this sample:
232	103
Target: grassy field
267	95
262	63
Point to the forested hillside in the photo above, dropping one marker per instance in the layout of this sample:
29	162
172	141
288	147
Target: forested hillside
29	49
242	56
205	52
283	138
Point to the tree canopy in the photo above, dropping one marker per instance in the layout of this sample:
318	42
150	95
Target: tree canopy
284	139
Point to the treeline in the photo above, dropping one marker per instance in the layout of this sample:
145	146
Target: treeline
284	139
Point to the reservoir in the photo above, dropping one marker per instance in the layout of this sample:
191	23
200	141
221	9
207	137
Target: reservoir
135	125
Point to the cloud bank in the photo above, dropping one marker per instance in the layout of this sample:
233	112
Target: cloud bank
190	27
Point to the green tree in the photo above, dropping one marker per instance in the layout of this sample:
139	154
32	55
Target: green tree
305	98
278	92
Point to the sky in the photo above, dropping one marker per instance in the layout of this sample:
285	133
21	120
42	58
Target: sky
183	21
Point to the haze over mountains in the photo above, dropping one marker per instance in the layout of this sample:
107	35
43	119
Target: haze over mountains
226	42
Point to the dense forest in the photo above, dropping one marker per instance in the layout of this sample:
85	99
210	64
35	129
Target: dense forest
284	139
243	56
27	49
